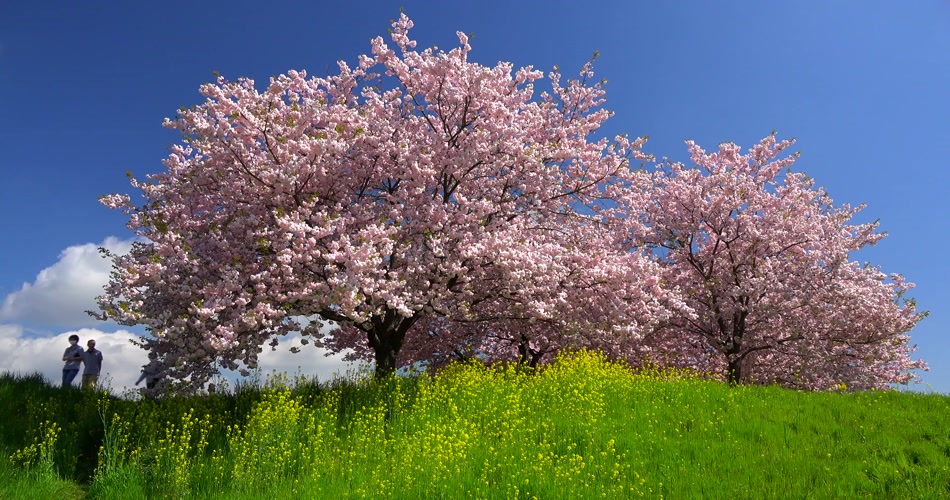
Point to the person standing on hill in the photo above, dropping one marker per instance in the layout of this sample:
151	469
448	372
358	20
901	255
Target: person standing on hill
92	359
72	357
151	374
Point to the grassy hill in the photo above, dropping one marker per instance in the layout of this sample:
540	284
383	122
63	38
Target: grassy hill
581	428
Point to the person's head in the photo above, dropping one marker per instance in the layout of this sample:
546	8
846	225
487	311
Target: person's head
91	344
74	339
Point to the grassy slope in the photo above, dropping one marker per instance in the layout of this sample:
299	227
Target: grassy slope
581	429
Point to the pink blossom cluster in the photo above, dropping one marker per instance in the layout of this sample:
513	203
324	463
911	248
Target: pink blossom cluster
761	258
421	207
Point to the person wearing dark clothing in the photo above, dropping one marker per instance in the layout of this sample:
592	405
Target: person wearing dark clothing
72	357
151	374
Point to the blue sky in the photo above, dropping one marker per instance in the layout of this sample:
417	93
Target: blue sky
84	87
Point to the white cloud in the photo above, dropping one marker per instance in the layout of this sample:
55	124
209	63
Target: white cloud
62	293
310	361
10	332
122	361
59	297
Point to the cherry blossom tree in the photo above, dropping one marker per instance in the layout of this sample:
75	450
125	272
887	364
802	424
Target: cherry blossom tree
762	260
412	194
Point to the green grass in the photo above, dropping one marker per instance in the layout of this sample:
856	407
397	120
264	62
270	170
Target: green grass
581	428
39	482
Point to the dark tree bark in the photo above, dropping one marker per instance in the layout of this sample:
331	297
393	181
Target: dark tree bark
386	337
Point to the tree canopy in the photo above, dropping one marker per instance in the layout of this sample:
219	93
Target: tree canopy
415	186
762	260
423	207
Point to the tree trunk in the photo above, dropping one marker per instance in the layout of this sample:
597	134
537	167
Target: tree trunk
528	357
385	354
738	334
735	371
386	338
